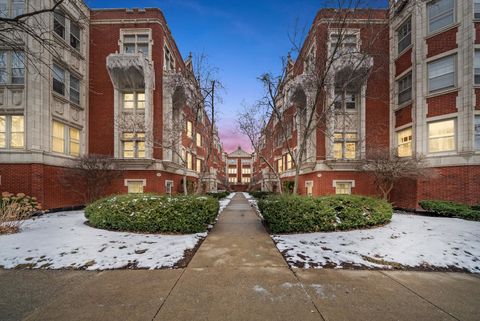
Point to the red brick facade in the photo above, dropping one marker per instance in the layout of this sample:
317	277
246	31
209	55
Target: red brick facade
442	42
403	62
442	104
403	116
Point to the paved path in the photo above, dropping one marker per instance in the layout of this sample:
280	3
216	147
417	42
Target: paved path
238	274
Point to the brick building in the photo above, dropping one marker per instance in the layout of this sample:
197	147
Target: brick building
420	97
239	167
116	68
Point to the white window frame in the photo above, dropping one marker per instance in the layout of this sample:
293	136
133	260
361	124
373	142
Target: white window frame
404	143
135	101
454	67
8	68
401	91
335	182
309	188
232	179
138	137
477	131
143	183
67	140
442	136
232	170
198	139
407	22
476	9
136	32
454	14
8	132
344	140
10	10
168	187
476	65
168	58
73	91
344	33
74	37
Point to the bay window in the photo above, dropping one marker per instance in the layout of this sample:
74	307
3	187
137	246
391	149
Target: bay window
441	74
404	142
441	13
441	136
12	131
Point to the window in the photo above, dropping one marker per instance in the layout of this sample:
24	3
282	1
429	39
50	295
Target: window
343	188
232	170
135	186
133	145
74	89
309	188
404	142
198	139
12	131
246	161
476	9
404	35
11	8
136	43
134	100
199	165
289	163
441	136
341	45
12	67
58	80
345	100
58	137
232	161
476	70
245	180
59	23
232	179
405	89
189	129
65	139
441	74
345	146
280	165
246	170
74	142
189	161
168	187
168	62
441	13
477	132
74	35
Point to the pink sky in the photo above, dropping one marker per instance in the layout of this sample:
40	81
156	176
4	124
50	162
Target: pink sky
230	136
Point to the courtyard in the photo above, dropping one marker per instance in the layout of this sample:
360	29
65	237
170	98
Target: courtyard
237	273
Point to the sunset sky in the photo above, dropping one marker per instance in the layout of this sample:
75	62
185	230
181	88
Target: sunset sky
242	38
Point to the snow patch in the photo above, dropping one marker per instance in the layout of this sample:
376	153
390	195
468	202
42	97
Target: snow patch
409	240
62	240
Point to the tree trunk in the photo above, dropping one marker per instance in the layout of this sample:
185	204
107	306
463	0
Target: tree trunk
295	181
185	191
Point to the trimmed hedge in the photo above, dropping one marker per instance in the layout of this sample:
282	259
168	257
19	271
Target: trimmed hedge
261	194
218	195
300	214
451	209
153	213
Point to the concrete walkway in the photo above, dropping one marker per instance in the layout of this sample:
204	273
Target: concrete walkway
238	274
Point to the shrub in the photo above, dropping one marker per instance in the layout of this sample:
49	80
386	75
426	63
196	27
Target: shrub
291	213
14	210
218	195
153	213
261	194
451	209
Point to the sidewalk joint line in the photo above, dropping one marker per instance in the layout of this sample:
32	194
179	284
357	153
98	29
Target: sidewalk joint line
168	295
417	294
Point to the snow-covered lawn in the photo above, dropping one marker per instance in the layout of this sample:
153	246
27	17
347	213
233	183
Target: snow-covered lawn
62	240
411	241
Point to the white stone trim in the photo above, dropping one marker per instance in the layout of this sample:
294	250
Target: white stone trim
127	180
335	181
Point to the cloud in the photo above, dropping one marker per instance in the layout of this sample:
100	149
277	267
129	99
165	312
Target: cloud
230	137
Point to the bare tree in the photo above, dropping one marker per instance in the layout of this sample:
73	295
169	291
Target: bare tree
252	123
328	65
387	168
89	177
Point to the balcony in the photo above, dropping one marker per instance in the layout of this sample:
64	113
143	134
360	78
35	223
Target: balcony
132	71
